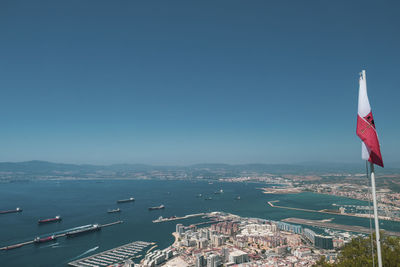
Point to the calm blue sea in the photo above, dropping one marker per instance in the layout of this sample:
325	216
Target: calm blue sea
86	202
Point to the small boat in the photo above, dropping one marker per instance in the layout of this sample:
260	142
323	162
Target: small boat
199	195
114	210
208	198
55	219
237	198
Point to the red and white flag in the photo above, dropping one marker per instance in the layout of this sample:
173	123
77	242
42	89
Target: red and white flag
366	126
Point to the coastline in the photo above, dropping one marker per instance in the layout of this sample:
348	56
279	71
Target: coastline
176	236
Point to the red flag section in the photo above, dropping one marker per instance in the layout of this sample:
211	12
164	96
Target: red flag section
366	126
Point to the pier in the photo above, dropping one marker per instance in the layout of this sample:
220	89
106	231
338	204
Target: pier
113	256
324	224
178	218
18	245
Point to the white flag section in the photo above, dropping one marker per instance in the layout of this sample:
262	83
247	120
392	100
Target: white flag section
364	151
364	108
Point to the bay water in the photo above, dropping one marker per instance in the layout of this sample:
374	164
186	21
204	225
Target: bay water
83	202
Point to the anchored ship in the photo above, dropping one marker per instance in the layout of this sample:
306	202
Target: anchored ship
10	211
45	239
126	200
114	211
55	219
92	228
157	208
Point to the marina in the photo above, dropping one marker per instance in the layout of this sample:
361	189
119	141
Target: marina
324	224
327	211
113	256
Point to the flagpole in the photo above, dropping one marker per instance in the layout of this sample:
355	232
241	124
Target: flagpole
378	243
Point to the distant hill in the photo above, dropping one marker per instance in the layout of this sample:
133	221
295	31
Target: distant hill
44	167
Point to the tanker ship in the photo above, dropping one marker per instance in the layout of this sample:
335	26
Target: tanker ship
126	200
44	239
10	211
157	208
51	220
113	211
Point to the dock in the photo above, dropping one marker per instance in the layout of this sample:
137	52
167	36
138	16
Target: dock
347	228
207	222
18	245
178	218
113	256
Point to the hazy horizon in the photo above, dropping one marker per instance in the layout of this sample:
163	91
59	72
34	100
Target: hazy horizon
301	163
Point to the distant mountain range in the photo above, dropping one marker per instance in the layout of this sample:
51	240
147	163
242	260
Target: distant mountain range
44	168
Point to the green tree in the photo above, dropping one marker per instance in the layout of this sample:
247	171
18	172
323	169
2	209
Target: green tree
357	253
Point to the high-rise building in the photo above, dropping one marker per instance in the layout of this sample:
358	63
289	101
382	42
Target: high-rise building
238	256
180	229
213	260
200	261
310	235
225	254
324	242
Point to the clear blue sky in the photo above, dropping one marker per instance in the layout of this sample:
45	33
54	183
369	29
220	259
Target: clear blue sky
181	82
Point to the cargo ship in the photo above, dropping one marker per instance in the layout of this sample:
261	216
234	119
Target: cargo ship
45	239
92	228
114	211
157	208
10	211
126	200
51	220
